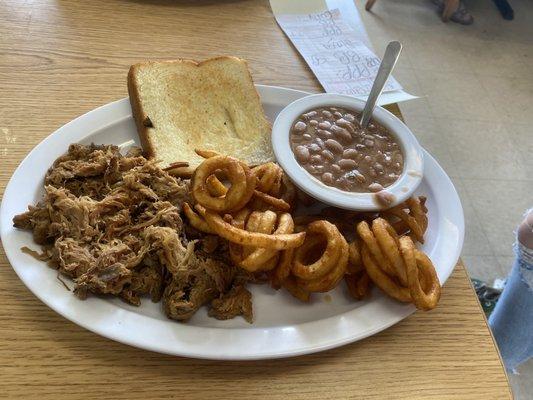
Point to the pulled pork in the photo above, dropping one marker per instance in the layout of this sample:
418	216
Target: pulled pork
112	223
238	301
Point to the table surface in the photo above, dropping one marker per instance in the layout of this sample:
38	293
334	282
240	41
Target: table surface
61	59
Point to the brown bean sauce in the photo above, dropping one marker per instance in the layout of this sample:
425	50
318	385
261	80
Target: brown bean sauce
329	144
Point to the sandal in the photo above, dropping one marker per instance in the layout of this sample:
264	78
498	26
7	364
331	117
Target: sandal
461	15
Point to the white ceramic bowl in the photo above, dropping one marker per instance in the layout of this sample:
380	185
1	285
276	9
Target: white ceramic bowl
402	189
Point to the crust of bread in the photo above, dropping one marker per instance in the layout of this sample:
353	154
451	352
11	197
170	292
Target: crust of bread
139	113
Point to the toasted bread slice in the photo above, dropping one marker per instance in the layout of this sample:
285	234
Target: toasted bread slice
182	105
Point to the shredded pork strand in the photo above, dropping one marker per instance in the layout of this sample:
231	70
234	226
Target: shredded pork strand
112	223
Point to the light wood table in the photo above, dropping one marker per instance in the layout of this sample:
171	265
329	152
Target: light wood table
59	59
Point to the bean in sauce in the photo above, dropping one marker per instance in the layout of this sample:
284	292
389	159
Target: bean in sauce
329	144
328	155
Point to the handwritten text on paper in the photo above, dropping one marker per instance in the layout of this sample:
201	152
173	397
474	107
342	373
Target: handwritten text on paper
341	63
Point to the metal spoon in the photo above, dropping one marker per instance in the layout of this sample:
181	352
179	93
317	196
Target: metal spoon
392	53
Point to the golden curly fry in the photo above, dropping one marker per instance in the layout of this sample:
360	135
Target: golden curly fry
268	177
278	204
239	175
251	213
240	236
256	259
395	265
302	221
240	217
409	216
260	223
215	187
418	264
330	280
195	220
355	263
206	153
388	243
358	284
255	222
283	269
325	273
180	170
318	232
274	189
261	255
294	289
177	164
382	280
367	236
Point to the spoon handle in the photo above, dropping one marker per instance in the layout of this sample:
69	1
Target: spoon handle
387	65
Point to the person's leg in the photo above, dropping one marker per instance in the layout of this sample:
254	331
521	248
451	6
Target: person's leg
450	6
512	319
505	9
369	4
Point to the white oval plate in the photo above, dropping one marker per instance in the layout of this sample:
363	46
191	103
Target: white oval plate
283	326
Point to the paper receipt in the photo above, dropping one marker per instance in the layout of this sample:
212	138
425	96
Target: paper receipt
341	62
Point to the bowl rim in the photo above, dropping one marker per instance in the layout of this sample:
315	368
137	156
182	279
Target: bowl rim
402	189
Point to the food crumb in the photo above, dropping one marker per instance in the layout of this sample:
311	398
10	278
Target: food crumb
327	298
384	198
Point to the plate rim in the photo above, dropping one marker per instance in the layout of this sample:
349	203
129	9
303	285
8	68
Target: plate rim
116	333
